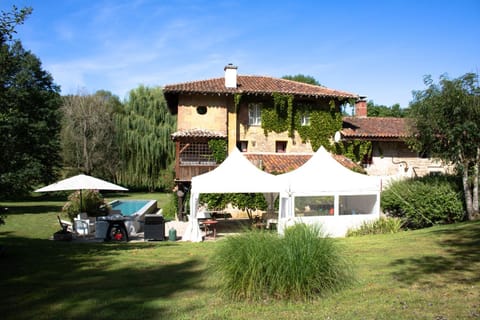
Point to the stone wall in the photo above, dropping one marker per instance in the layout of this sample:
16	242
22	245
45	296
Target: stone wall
214	119
394	160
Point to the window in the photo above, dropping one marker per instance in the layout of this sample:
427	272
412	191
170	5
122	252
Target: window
254	114
305	119
280	146
357	204
307	206
242	146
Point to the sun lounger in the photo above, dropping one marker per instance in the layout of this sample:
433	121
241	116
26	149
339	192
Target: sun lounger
66	225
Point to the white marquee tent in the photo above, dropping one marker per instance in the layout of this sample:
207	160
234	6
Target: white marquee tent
236	174
323	191
320	191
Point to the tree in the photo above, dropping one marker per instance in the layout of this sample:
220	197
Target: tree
89	134
29	117
446	124
394	111
146	149
9	20
302	78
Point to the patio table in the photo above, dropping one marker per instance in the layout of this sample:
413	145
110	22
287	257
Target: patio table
210	226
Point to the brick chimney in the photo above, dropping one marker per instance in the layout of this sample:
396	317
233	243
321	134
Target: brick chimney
230	76
361	107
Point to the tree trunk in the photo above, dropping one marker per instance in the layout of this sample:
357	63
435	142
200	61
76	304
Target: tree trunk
467	191
475	210
86	164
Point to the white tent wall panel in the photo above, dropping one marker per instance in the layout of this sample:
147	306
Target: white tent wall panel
367	209
333	226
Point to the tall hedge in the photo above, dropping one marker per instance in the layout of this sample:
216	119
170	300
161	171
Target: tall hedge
426	201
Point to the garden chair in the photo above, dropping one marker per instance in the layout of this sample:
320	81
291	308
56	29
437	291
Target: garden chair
83	226
66	225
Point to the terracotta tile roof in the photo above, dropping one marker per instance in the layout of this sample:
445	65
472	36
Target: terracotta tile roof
375	128
277	163
197	133
255	85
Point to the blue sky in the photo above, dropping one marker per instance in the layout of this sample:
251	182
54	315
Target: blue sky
381	49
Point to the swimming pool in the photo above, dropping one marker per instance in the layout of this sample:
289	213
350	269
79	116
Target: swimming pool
135	211
129	207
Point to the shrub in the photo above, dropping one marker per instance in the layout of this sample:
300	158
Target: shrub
301	265
379	226
423	202
170	209
92	203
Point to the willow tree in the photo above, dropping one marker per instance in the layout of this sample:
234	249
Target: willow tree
146	149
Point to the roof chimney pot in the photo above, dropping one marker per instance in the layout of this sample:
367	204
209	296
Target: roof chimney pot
361	107
230	76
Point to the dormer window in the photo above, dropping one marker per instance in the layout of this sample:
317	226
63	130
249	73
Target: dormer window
254	114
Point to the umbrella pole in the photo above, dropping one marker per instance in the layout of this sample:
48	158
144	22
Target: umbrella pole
80	201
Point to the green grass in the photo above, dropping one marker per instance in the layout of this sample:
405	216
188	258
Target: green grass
426	274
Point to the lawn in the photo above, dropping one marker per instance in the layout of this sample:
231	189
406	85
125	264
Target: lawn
427	274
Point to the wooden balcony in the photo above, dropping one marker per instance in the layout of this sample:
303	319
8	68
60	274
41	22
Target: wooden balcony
185	172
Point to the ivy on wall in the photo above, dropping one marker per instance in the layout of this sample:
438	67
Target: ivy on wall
219	149
236	99
278	117
282	116
322	127
356	150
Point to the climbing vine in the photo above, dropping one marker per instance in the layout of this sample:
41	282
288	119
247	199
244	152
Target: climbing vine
283	116
278	117
356	150
219	149
322	127
236	99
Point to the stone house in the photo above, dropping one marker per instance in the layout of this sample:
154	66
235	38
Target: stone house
390	157
207	110
230	109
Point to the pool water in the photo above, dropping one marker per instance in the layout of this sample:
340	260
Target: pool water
128	208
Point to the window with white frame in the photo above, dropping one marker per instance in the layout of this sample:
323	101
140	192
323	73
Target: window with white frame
254	114
305	118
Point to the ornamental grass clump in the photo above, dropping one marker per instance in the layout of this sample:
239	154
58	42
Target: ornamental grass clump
383	225
301	265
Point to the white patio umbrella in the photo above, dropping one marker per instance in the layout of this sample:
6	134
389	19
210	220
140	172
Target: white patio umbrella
81	182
